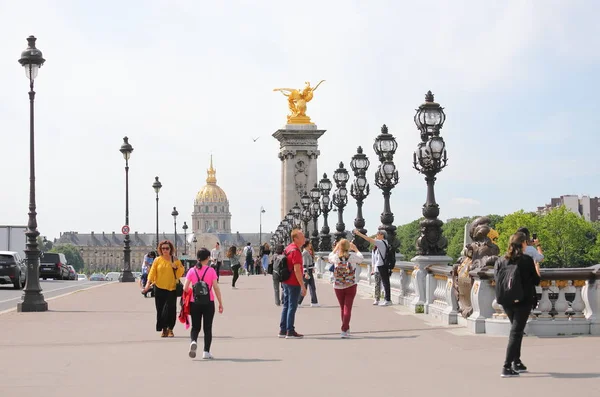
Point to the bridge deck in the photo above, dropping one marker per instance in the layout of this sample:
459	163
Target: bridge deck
101	342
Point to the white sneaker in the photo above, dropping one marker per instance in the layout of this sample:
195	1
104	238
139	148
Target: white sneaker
344	335
315	305
207	356
193	348
386	303
375	303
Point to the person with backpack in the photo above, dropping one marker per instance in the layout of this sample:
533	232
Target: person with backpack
274	270
290	275
234	260
383	260
309	277
202	279
249	261
516	275
345	257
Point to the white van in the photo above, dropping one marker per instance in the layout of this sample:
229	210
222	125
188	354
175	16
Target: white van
113	276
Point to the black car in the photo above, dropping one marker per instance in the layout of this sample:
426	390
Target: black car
12	269
54	265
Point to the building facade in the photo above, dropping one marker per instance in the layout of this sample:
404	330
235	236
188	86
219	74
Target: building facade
586	206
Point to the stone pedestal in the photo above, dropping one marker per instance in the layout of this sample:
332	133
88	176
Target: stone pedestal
298	152
419	279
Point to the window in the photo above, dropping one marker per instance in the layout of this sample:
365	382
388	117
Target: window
206	209
207	224
215	209
216	225
224	225
222	209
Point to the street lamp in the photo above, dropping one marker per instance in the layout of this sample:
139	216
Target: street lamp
185	228
285	230
360	190
296	211
386	178
262	211
195	240
326	205
429	159
128	277
174	213
156	186
340	199
305	215
33	300
315	211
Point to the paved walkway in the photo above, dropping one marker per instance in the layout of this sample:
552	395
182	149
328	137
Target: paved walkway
101	342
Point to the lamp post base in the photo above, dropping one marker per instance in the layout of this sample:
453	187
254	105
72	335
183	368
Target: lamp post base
127	277
32	302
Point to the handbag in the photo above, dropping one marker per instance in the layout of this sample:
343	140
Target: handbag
178	285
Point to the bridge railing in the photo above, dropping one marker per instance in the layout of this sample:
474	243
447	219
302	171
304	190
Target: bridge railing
569	299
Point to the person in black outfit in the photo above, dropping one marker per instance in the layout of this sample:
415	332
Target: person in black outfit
518	313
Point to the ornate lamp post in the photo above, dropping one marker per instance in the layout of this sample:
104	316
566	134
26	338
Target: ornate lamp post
156	186
33	300
340	199
315	211
360	190
285	230
262	211
386	178
326	205
128	277
195	240
429	159
306	216
174	213
185	228
296	211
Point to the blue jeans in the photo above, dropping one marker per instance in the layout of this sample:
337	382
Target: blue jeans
291	294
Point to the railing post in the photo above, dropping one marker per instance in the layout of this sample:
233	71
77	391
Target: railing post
482	297
591	298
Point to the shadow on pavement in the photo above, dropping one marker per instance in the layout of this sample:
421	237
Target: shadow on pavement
243	360
561	375
353	336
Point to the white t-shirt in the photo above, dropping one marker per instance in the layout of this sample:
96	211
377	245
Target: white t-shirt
533	252
216	255
378	254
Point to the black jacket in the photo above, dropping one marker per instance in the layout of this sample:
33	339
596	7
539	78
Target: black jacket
529	278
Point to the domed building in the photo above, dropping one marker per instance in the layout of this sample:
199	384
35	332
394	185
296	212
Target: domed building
211	207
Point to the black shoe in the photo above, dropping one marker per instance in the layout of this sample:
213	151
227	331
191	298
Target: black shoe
508	372
519	367
282	334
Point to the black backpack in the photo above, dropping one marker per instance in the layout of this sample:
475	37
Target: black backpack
509	287
201	290
248	254
389	260
281	266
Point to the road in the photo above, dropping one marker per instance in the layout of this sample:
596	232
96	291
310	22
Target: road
9	297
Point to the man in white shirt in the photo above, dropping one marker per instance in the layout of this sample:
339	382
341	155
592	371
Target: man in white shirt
216	257
534	249
249	258
378	268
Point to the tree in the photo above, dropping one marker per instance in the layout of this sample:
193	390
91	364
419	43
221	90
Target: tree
71	253
512	222
454	231
407	236
43	244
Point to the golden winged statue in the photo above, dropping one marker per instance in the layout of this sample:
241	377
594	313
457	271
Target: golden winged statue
297	100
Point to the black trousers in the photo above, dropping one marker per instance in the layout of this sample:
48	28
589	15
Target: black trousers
384	272
218	270
166	308
236	274
201	313
518	316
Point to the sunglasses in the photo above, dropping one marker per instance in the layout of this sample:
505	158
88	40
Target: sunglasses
167	248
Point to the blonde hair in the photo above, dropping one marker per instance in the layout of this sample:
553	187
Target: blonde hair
343	248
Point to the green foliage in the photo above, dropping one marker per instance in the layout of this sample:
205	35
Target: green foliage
407	236
71	253
512	222
454	231
44	246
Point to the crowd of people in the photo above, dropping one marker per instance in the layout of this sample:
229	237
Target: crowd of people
292	270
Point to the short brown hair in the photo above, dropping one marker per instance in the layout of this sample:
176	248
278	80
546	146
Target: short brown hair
167	242
296	232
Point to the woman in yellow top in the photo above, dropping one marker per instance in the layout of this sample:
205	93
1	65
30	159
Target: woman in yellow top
165	271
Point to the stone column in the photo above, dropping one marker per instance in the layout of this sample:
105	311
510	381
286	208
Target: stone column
298	152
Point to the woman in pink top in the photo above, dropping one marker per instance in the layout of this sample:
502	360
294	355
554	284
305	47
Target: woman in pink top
198	311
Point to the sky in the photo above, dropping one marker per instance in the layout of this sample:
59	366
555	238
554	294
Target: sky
187	79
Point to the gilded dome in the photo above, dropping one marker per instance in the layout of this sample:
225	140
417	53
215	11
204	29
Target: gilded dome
211	193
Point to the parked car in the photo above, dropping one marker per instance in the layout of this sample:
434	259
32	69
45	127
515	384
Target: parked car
54	265
97	277
112	276
81	277
12	269
72	273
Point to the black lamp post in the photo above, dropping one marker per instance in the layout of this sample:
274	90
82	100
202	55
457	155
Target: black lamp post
127	277
262	211
285	230
429	159
297	211
360	190
386	178
156	186
33	300
315	211
195	240
185	228
174	213
306	216
340	199
326	205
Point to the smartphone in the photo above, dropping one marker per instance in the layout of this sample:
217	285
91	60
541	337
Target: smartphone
534	236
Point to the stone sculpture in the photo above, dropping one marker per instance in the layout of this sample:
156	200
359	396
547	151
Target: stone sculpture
297	100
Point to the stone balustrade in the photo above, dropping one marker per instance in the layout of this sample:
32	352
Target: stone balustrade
569	299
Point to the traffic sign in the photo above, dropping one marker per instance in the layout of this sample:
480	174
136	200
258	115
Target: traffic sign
125	230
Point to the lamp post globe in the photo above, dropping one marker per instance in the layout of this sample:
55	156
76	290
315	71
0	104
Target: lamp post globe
262	211
386	178
429	159
185	228
175	214
340	199
32	299
305	201
127	277
360	190
156	186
